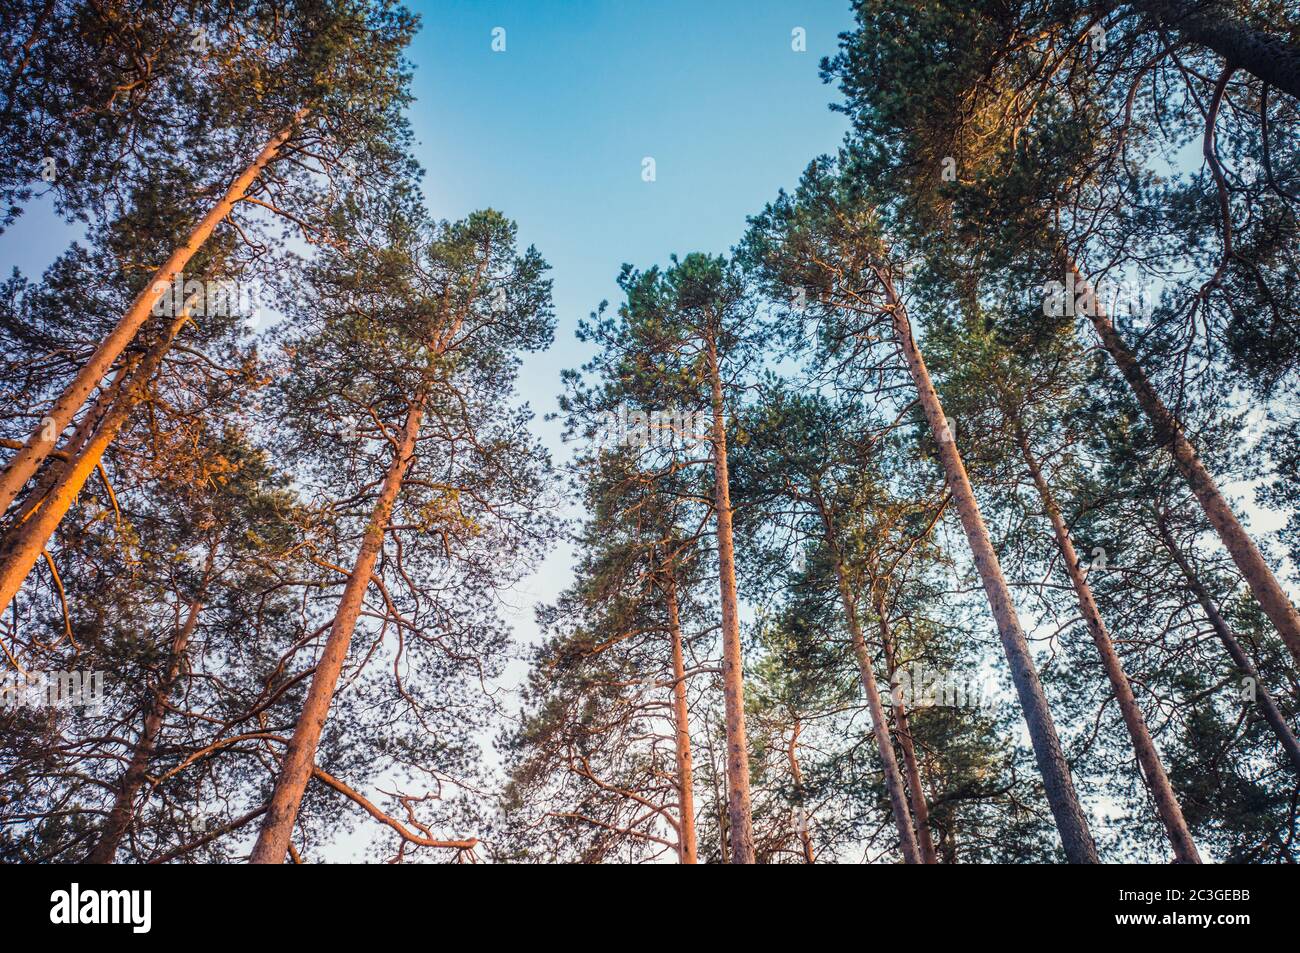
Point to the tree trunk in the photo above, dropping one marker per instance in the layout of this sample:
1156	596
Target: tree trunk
741	825
1263	584
920	809
55	472
26	541
1153	770
1267	56
300	755
686	846
1267	706
26	461
796	775
1071	822
893	777
718	805
119	818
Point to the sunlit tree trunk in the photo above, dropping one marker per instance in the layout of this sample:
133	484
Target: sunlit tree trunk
1153	769
1267	706
1071	822
741	827
43	439
1259	577
25	542
300	755
686	847
66	455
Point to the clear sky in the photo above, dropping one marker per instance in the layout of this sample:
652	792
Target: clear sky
554	130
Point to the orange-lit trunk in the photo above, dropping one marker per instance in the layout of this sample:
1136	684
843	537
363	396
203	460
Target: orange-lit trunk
300	755
25	462
55	471
25	542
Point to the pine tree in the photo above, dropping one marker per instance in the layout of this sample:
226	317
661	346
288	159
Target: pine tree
430	321
603	760
342	71
681	343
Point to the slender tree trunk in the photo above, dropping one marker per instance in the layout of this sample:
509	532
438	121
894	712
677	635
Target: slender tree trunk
1267	706
1071	822
733	680
948	845
1267	56
920	809
300	756
718	805
1263	584
796	775
893	777
76	443
686	847
1153	769
25	542
26	461
719	798
119	818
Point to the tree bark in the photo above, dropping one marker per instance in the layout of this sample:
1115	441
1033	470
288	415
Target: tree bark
1259	577
1153	769
1071	822
300	755
1267	706
866	672
25	542
119	818
884	744
686	846
85	429
25	462
796	775
733	684
920	809
1265	55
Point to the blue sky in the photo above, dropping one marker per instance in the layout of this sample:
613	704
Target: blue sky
553	131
